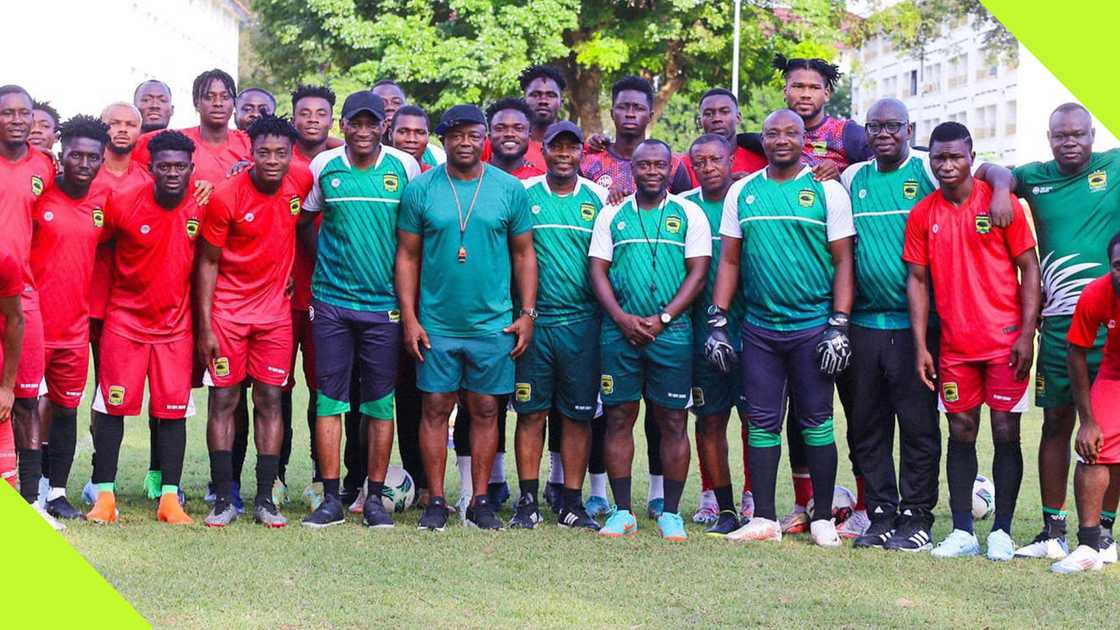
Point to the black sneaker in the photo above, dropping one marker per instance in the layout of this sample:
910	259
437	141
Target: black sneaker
576	519
330	512
349	495
374	514
910	536
726	522
498	494
527	516
554	497
61	508
481	515
877	534
435	515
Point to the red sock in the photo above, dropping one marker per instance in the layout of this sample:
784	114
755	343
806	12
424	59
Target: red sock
802	489
859	494
705	477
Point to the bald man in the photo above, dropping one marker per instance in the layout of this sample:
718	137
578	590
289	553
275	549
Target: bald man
153	99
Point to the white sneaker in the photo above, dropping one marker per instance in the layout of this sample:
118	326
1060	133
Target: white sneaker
1084	558
855	526
359	501
1108	554
1044	547
47	517
759	529
708	510
957	544
1000	546
823	533
746	505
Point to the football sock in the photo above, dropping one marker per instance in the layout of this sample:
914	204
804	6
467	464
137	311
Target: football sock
960	469
221	473
555	468
498	470
802	489
596	462
656	487
64	437
45	460
599	485
573	499
822	471
620	488
1107	520
861	497
240	439
330	488
724	498
746	463
267	465
107	438
30	471
286	446
529	488
674	488
765	452
1090	537
1054	522
374	488
153	444
1007	475
172	446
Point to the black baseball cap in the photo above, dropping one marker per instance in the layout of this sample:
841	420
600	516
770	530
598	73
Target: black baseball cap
364	101
460	115
563	126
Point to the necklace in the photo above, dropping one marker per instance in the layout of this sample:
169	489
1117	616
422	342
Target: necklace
464	220
657	239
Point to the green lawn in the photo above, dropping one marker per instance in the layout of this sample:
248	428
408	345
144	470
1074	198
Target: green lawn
247	577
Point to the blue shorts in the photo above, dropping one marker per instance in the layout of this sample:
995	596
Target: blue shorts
340	335
775	362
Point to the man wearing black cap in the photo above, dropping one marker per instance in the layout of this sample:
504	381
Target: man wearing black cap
469	225
561	364
354	312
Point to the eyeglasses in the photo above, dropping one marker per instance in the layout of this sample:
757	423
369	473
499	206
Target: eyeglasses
891	127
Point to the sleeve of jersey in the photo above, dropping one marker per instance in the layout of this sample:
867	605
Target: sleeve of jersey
849	174
215	224
410	217
729	222
602	246
838	204
520	221
1018	234
915	249
698	239
1086	316
313	202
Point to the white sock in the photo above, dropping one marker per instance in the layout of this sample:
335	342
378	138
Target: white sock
466	488
498	470
56	493
599	485
656	487
555	468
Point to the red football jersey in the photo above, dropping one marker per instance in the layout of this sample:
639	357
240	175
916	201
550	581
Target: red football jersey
211	163
1098	306
971	262
533	155
525	171
742	161
67	232
303	266
150	299
21	183
257	235
136	175
11	285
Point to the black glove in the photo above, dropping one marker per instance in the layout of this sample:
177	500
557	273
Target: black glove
834	352
717	348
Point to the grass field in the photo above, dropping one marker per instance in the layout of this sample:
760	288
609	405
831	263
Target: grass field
347	577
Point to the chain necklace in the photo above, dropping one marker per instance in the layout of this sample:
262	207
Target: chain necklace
464	220
657	238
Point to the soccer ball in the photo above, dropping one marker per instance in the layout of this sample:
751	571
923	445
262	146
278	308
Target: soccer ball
983	497
843	502
400	491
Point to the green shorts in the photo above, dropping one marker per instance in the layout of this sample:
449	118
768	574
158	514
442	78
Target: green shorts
1051	379
713	391
561	365
481	365
660	371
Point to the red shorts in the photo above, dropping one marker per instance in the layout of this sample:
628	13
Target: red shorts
262	352
125	363
65	373
1105	400
301	335
29	373
965	385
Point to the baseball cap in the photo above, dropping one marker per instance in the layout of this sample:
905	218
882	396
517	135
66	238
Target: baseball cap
563	126
460	115
363	101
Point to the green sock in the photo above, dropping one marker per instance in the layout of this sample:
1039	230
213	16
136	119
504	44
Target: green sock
106	487
170	490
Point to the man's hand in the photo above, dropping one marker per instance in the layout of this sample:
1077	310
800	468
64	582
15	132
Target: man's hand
1000	210
615	196
635	329
416	340
7	399
523	328
927	371
1022	355
717	348
238	166
834	351
207	345
598	143
1089	441
827	169
202	190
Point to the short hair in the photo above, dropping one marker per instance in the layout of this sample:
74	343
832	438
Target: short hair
532	73
111	106
272	125
410	110
313	91
1112	243
83	126
169	141
48	109
203	81
718	91
657	142
950	131
146	82
709	138
1069	107
828	71
262	91
11	88
518	104
389	82
631	82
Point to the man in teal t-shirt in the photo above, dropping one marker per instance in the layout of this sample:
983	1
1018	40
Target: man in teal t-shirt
464	230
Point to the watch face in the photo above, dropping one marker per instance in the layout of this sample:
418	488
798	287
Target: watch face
666	318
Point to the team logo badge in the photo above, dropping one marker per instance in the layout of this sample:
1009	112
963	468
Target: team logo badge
698	396
116	395
806	198
983	224
192	227
390	182
249	216
1111	324
750	199
293	205
36	185
48	216
820	148
673	225
522	392
621	225
144	229
310	313
909	189
394	316
98	217
1098	180
949	392
1040	384
605	181
606	384
862	193
586	211
221	366
535	209
336	182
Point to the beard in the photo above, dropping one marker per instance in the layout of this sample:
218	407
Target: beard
115	150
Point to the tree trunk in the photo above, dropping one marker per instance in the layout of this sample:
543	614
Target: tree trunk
583	88
674	80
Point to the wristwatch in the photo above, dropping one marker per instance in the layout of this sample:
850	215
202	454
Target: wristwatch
665	318
530	312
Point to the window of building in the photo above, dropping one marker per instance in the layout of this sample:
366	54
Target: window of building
913	83
1009	117
933	79
958	71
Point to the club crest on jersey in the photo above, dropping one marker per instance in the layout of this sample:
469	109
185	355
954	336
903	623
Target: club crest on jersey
293	205
390	182
221	366
1040	384
394	316
605	181
192	227
535	209
522	392
820	148
698	396
36	185
673	225
606	384
910	189
806	198
587	211
983	224
98	217
949	392
116	395
1098	180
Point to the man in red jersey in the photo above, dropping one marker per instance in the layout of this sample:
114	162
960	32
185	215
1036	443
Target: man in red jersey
243	309
148	322
719	114
25	174
11	343
988	319
68	220
44	131
153	99
509	120
251	104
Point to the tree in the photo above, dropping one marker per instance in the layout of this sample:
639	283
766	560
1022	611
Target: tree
912	25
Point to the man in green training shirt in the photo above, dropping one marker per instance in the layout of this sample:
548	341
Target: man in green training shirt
559	370
464	230
649	258
1075	203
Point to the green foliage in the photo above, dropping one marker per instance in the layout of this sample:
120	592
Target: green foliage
912	25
